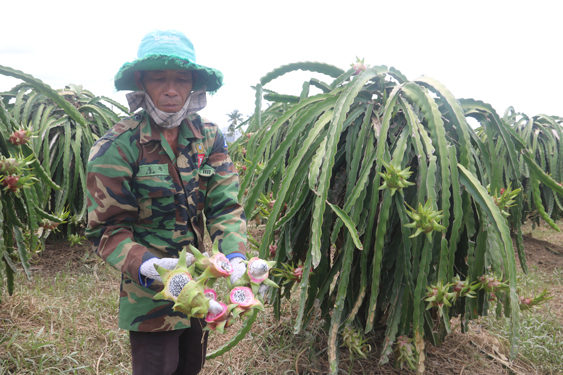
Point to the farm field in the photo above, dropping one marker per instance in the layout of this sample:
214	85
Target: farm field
65	321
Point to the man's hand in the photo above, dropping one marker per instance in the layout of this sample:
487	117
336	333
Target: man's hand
239	268
148	270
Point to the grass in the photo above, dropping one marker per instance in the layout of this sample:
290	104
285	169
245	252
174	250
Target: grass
65	322
541	333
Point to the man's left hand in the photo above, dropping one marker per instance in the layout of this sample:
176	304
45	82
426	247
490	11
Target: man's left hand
239	268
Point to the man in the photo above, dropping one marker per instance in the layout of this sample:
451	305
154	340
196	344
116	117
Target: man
151	179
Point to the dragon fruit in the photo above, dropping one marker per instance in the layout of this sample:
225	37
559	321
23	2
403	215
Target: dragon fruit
257	272
192	300
359	66
11	166
213	267
258	269
210	294
174	280
218	317
14	182
243	302
20	137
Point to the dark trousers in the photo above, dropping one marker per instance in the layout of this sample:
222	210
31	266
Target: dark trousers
180	352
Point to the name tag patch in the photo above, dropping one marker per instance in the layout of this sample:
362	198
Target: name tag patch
153	170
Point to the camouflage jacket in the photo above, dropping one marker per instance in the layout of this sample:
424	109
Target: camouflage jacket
143	201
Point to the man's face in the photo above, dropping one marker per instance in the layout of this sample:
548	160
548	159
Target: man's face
168	89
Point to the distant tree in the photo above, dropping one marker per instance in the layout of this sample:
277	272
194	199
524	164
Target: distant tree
235	118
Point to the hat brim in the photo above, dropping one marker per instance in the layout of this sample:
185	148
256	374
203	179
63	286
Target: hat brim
125	80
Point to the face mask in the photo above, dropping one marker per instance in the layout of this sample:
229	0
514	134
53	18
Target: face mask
195	102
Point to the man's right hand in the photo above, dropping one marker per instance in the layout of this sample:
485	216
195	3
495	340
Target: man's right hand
149	271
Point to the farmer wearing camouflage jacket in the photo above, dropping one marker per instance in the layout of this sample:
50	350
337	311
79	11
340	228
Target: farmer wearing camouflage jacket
151	179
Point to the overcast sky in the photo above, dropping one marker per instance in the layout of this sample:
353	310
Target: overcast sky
502	52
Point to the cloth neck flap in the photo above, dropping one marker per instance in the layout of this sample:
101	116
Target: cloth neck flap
195	102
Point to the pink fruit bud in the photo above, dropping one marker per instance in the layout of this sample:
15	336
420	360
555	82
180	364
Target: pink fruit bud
298	273
358	67
273	249
20	137
11	183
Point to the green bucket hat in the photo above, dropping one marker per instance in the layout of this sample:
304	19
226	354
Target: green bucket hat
167	50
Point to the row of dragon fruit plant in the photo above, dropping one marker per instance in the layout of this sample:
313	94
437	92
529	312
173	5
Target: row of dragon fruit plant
309	151
393	211
45	138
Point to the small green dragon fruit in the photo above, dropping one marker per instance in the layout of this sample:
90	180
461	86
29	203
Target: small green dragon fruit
425	220
243	302
404	353
174	280
356	344
192	300
395	179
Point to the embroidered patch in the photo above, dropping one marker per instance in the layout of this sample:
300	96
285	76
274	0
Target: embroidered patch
200	154
153	170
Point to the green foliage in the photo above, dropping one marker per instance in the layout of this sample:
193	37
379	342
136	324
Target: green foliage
45	138
367	130
62	140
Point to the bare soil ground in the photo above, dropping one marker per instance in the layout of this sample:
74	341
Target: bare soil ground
272	348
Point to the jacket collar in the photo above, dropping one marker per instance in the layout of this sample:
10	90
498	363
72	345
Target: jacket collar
150	132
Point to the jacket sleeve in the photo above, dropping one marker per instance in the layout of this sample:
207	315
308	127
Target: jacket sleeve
225	217
112	208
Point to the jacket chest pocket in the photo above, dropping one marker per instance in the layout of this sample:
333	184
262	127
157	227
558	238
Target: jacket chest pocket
156	195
